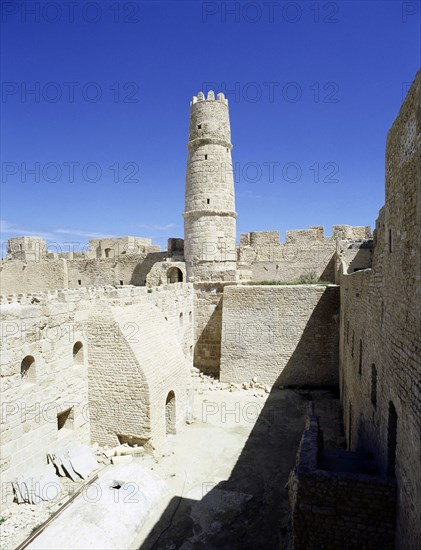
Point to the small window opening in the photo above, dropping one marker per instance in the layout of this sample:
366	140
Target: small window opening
390	241
206	157
199	126
190	316
374	385
78	358
27	369
208	201
65	419
392	440
121	283
180	319
350	427
79	282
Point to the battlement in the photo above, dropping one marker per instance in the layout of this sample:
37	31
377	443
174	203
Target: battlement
90	293
210	97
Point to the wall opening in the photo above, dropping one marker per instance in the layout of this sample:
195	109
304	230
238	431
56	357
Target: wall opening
107	252
79	282
27	369
78	357
390	241
392	429
121	283
65	419
360	358
180	319
206	157
170	413
174	275
199	126
207	201
350	426
374	385
190	316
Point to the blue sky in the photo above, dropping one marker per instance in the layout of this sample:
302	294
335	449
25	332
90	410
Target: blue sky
98	147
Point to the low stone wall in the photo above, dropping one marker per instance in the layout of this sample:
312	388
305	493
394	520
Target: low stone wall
284	335
332	509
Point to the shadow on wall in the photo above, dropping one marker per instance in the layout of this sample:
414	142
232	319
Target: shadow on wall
329	271
315	359
142	269
207	351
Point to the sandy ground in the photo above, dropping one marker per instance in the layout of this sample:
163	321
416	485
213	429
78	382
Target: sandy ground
220	483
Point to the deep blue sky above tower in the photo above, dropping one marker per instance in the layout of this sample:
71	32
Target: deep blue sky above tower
99	146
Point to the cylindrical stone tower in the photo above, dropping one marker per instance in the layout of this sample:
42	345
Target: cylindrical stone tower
209	217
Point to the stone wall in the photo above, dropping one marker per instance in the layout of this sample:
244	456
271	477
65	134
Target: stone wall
136	348
338	509
208	325
60	273
380	337
284	335
306	252
37	276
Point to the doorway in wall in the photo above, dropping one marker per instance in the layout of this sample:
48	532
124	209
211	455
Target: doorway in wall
170	413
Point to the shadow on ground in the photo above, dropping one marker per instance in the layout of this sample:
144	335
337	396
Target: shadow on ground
250	509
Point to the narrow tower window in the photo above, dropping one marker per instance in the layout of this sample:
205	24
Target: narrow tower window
392	429
206	157
390	241
208	201
199	126
374	385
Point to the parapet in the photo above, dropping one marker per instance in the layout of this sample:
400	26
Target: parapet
90	293
210	97
351	232
313	233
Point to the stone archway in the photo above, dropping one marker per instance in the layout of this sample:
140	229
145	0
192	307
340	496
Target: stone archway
174	275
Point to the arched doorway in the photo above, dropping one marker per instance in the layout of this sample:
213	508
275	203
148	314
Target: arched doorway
174	275
170	413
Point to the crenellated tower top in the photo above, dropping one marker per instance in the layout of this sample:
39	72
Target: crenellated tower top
210	97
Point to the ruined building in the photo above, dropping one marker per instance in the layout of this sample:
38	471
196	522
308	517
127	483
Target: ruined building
115	331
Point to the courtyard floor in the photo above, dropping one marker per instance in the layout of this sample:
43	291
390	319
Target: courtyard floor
221	481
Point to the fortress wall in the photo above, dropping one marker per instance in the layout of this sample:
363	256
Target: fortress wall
36	276
284	335
55	383
381	309
60	273
305	252
47	325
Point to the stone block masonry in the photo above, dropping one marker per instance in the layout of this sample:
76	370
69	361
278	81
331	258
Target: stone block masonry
338	509
284	335
109	358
